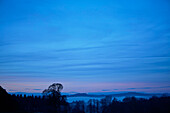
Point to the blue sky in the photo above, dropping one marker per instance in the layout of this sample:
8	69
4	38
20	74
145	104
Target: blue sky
87	45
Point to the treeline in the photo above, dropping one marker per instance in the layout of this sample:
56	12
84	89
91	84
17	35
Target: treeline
58	104
32	104
134	105
128	105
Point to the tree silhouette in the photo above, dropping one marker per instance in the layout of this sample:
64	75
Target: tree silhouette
54	96
53	89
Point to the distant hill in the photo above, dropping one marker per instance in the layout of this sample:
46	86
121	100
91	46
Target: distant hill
125	94
115	95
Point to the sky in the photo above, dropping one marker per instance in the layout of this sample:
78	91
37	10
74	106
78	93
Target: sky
87	45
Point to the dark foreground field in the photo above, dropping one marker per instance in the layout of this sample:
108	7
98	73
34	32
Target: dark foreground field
58	104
